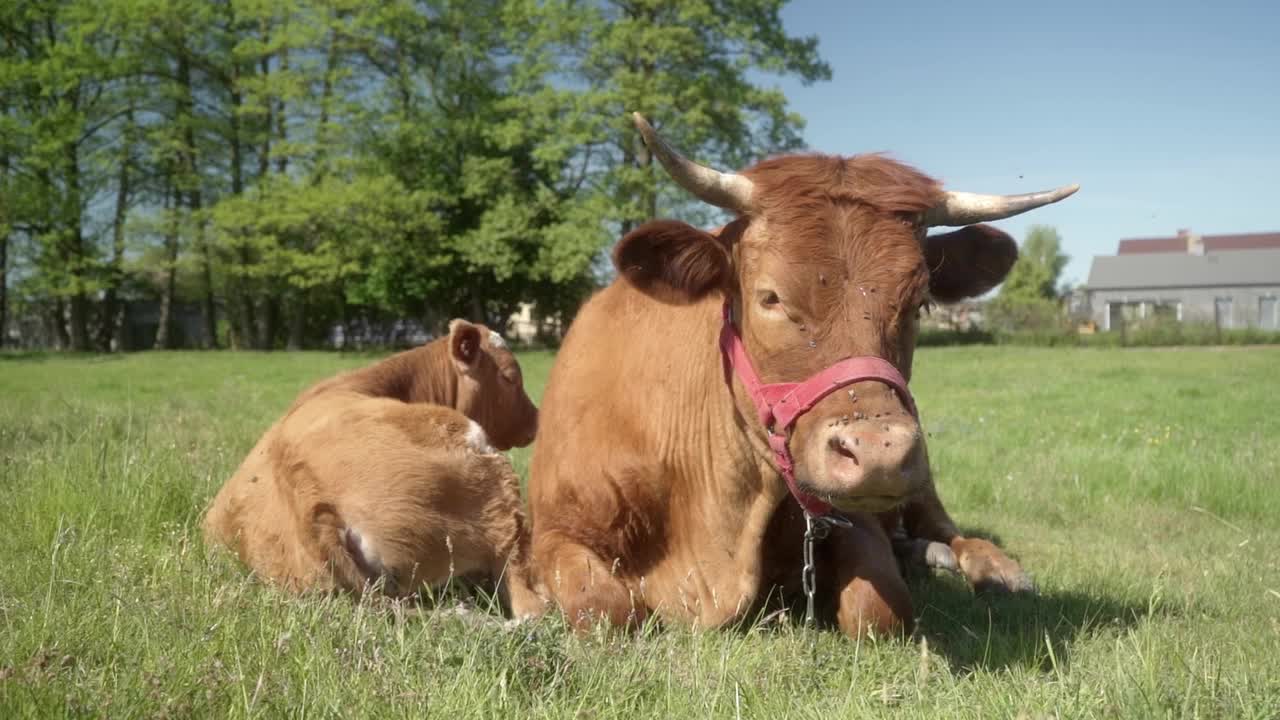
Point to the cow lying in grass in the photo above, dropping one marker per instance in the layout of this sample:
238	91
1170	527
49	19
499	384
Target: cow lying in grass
391	477
754	386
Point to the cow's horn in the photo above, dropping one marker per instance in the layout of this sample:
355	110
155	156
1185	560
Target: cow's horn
727	190
962	208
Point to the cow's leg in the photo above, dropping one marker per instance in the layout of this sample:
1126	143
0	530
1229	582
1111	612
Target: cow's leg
584	585
984	564
508	534
517	588
870	593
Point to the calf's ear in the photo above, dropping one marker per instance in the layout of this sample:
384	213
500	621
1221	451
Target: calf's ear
968	262
673	261
464	345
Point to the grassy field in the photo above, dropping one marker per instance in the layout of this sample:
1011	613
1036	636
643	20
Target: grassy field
1140	487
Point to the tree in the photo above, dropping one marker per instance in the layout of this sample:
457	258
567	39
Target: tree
56	74
295	163
1040	263
688	65
1029	298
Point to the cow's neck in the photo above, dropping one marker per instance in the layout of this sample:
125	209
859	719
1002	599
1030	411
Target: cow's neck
734	487
422	375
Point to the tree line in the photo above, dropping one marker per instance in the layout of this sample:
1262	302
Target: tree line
284	166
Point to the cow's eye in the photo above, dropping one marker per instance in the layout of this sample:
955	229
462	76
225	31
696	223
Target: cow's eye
769	298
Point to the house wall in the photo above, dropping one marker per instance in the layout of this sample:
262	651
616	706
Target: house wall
1197	304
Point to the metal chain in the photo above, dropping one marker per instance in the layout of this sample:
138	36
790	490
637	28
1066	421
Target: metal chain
816	529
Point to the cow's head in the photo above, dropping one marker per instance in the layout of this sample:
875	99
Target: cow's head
491	386
829	259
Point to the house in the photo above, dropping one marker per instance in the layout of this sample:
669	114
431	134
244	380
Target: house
527	326
1232	281
961	316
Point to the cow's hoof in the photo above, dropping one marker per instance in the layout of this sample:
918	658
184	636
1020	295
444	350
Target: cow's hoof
937	555
988	569
1019	582
921	553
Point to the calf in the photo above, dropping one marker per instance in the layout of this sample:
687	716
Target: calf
391	476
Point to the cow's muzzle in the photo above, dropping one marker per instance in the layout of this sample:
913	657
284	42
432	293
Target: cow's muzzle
780	406
858	462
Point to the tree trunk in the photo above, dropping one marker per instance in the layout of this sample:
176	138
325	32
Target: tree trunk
4	253
326	99
164	329
4	235
4	284
191	179
265	320
297	321
244	323
60	324
74	255
270	305
270	322
477	306
282	134
110	310
282	168
264	152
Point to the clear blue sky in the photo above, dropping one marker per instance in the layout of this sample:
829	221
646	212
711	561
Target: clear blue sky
1166	113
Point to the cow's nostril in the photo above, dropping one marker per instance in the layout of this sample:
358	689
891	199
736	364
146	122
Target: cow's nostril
837	444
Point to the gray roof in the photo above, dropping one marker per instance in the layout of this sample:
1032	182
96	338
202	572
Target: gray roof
1179	270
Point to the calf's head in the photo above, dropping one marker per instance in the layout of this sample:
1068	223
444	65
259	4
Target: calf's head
491	386
829	259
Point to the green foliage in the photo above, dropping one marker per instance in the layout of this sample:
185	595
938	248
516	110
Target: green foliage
1040	262
1028	299
684	64
289	163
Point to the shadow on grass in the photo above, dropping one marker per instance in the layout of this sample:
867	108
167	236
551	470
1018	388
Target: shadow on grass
996	631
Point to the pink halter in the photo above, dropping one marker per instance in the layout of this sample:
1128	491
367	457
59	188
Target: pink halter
779	405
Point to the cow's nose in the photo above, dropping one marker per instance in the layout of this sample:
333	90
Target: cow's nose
868	459
532	432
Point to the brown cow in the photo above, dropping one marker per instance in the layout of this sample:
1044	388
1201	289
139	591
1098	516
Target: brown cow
654	488
391	475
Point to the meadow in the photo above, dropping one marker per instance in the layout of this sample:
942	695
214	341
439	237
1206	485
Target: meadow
1141	488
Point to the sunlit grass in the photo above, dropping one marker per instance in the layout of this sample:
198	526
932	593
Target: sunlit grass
1141	488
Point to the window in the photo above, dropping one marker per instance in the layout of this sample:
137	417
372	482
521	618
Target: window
1142	313
1222	312
1166	311
1267	314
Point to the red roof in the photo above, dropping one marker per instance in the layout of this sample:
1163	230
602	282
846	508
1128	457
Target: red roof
1252	241
1151	245
1212	243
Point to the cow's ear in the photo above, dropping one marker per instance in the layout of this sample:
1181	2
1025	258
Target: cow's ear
464	345
968	262
673	261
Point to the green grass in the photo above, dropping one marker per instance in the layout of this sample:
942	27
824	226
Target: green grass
1140	487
